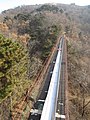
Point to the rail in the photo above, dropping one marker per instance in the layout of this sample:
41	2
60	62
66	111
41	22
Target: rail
49	108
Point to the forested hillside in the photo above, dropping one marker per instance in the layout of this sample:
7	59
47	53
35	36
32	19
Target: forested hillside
11	53
27	35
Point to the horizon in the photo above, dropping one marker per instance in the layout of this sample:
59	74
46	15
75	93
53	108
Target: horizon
11	4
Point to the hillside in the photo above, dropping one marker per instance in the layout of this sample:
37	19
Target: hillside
30	33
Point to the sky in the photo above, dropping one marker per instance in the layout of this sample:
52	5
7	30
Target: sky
7	4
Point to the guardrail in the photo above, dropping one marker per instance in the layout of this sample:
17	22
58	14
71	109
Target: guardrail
49	108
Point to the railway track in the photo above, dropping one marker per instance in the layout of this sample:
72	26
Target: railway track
61	113
35	113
